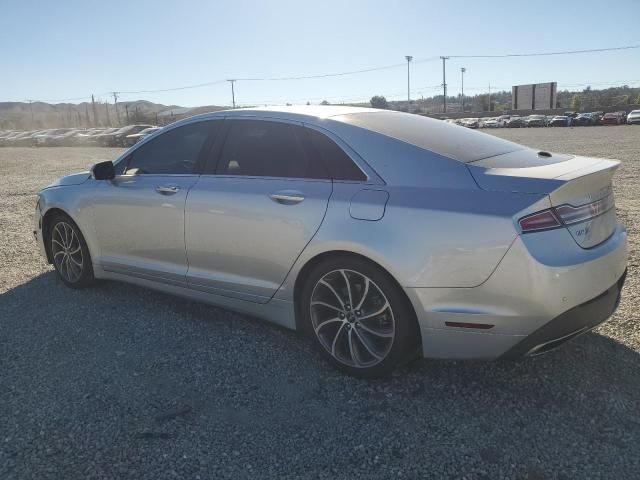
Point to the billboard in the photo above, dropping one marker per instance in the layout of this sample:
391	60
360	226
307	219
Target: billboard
536	96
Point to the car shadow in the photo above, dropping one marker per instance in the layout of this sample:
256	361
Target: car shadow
134	367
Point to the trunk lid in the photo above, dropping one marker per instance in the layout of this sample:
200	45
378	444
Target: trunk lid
569	181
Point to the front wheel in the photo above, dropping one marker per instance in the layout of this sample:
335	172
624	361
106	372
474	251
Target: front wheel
69	252
359	318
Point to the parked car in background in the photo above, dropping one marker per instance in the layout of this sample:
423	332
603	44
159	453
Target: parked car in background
371	259
136	137
515	121
471	122
82	138
45	138
97	139
585	120
634	117
536	121
11	139
116	139
612	118
489	122
503	120
559	121
597	116
23	139
65	139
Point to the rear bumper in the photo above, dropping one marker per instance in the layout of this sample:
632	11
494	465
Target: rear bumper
570	324
540	279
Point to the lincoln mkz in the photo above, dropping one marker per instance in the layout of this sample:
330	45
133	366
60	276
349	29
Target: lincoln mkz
381	235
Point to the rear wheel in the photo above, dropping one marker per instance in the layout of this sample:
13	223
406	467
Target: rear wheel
69	252
358	316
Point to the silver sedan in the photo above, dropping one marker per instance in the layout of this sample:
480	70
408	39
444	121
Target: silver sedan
380	235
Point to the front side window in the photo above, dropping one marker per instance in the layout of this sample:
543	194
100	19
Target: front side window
260	148
171	153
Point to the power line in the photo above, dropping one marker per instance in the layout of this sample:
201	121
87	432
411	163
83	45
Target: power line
340	74
173	89
542	54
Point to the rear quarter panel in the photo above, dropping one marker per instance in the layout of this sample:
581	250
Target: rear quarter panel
427	237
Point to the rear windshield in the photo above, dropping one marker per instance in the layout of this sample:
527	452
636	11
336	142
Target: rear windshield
449	140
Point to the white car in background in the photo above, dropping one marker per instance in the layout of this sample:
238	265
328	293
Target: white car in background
633	117
489	122
503	120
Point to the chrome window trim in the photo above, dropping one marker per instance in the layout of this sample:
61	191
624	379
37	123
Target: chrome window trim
293	179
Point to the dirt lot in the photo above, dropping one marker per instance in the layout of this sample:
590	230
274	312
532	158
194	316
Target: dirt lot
120	382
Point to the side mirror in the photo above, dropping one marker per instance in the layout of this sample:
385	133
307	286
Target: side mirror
103	171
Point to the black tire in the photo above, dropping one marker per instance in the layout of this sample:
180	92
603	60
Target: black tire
401	348
63	229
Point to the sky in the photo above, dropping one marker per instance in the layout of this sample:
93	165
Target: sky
67	50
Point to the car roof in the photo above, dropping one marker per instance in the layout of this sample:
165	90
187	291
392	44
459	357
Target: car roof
293	112
423	132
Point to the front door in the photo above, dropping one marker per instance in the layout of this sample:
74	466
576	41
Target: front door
139	216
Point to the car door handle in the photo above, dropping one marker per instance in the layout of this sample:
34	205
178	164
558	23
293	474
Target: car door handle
167	189
287	197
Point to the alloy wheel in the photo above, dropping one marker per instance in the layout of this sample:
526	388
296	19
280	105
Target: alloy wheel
67	252
352	318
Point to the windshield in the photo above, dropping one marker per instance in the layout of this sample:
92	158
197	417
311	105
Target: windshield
449	140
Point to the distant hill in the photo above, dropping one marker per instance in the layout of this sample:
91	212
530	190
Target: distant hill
24	115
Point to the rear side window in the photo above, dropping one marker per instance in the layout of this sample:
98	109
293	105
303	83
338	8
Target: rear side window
260	148
339	164
171	153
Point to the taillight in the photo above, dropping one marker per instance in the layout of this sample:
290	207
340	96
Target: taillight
543	220
569	214
565	215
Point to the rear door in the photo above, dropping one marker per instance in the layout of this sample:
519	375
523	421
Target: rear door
252	213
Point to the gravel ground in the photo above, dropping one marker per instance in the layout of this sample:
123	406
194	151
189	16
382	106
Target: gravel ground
121	382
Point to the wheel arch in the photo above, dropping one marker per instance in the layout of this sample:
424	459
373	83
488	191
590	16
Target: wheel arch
46	225
315	260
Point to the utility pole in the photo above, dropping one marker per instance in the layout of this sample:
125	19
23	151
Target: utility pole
126	110
462	70
95	113
31	108
233	94
489	96
444	84
115	104
409	58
